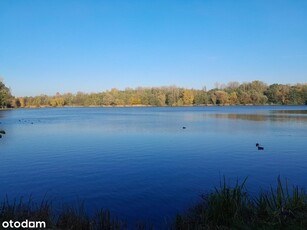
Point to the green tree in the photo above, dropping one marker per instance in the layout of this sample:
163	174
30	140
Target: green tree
172	96
257	98
201	97
5	96
278	94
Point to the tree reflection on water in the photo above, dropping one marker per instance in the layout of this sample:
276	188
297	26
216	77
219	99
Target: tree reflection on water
277	115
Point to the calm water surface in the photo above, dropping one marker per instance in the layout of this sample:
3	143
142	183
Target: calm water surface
140	163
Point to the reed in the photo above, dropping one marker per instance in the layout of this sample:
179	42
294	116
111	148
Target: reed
26	210
230	207
69	217
282	206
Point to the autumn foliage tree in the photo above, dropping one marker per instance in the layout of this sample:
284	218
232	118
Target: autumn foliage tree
233	93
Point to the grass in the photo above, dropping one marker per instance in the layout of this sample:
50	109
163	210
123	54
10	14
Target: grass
230	207
69	217
225	207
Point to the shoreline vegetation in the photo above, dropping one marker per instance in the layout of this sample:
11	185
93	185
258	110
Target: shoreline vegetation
137	106
225	207
232	93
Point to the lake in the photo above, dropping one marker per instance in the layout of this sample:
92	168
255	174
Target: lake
140	163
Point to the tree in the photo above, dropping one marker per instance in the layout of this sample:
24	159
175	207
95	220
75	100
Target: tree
135	100
244	98
201	97
16	103
233	98
22	101
172	95
278	94
257	98
258	86
298	94
188	97
5	96
221	97
161	99
233	85
212	97
108	99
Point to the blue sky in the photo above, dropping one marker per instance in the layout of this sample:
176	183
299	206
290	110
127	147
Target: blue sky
63	46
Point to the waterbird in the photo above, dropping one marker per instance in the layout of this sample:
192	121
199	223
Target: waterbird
183	127
2	131
259	147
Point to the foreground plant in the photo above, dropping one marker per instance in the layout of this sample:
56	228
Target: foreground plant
230	207
282	207
70	217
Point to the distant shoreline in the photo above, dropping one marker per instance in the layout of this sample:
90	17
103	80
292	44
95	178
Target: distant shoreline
144	106
234	93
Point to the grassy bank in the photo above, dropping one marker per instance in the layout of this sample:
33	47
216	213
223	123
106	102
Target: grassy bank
225	207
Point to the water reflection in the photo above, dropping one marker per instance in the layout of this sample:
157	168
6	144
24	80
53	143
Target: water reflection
2	113
265	117
290	111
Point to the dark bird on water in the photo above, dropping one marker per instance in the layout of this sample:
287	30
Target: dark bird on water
1	132
259	147
183	127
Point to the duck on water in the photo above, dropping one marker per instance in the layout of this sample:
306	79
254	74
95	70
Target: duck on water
259	147
1	132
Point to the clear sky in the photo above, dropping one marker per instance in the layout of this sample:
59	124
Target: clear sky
49	46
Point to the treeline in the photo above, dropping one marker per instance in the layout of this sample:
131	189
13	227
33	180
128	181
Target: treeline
233	93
